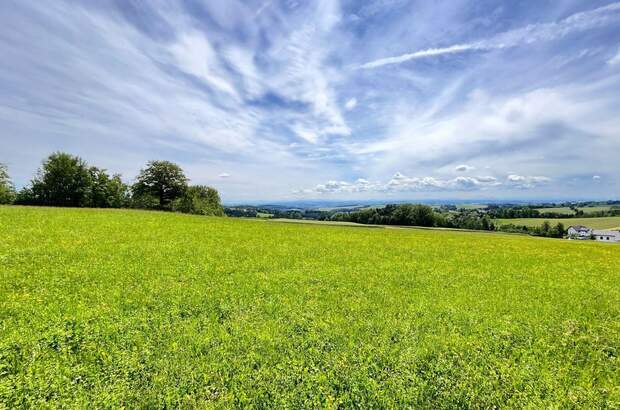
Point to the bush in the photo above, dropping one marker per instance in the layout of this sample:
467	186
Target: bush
199	200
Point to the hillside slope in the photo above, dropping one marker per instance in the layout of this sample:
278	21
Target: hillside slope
104	308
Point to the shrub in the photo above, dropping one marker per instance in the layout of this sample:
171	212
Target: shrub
200	200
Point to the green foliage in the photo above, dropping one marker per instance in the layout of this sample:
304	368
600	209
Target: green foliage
133	309
596	223
106	191
414	215
417	215
546	230
67	180
7	190
163	180
405	214
199	200
62	180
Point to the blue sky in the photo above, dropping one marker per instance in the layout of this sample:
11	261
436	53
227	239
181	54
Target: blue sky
326	99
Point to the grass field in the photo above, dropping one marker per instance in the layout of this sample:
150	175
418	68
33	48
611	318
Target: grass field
591	209
106	308
471	206
568	211
608	222
558	210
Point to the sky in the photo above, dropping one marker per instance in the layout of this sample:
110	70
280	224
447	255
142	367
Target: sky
325	99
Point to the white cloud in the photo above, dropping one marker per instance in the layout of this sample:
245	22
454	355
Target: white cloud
195	55
262	8
615	60
402	183
224	175
525	35
526	182
332	187
464	168
302	74
263	91
459	48
351	104
306	134
500	130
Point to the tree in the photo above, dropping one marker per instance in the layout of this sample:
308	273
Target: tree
545	228
62	180
7	190
413	215
106	191
558	231
163	180
200	200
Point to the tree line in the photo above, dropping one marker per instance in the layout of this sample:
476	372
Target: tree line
426	216
67	180
546	230
528	211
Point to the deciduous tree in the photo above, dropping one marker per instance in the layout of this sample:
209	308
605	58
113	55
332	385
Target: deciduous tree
163	180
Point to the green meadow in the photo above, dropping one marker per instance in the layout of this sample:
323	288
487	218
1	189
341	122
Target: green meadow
606	222
569	211
559	210
138	309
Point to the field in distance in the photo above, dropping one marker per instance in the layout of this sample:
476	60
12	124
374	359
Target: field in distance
113	308
607	222
558	210
569	211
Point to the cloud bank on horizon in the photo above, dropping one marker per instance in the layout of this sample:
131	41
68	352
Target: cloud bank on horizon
326	99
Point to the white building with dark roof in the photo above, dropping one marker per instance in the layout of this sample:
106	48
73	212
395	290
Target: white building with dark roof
606	236
579	232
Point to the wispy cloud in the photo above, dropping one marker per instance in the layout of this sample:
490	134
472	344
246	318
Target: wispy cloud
615	60
262	8
525	35
265	88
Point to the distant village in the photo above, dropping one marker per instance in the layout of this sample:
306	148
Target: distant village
580	232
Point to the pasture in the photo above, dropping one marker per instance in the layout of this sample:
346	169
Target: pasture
113	308
607	222
569	211
557	210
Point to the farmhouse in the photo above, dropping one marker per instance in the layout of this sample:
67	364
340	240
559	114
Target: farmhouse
606	236
579	232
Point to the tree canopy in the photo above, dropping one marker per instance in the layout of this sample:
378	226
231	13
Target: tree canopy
62	180
163	180
200	200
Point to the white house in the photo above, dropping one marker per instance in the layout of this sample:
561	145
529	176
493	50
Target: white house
606	236
579	232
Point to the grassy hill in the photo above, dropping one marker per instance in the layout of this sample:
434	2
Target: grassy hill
109	308
608	222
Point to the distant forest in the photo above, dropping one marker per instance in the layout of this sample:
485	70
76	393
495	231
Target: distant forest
444	216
